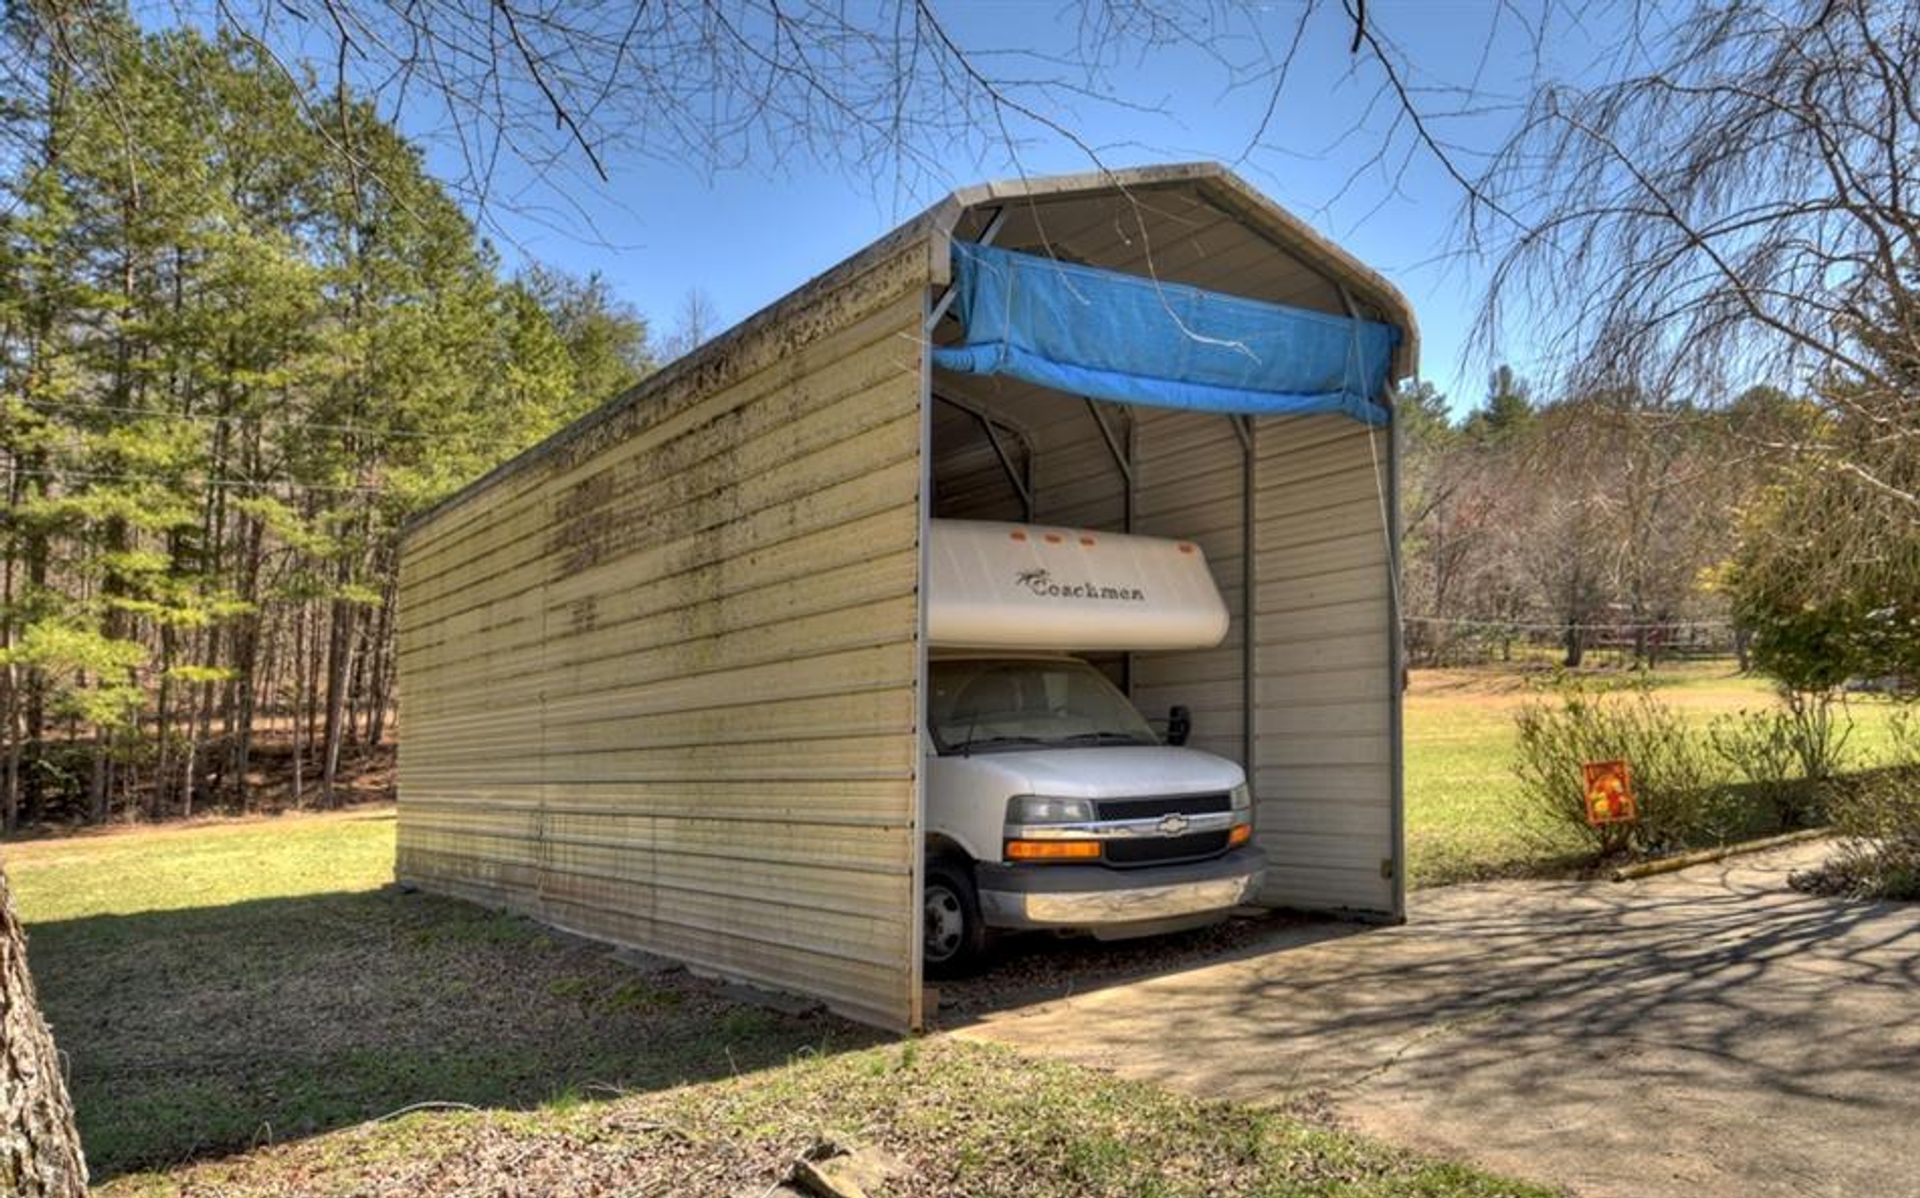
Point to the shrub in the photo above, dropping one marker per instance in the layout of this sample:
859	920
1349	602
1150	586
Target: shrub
1816	738
1788	755
1878	855
1878	817
1678	786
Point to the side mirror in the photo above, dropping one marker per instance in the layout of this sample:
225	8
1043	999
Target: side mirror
1179	724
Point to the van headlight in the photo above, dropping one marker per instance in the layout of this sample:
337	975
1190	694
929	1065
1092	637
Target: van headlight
1023	810
1242	830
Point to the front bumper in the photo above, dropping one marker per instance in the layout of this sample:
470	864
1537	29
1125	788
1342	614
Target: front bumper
1101	899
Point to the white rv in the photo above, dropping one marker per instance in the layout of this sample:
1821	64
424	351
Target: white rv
1051	802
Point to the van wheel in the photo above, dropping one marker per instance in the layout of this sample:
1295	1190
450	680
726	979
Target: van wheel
955	940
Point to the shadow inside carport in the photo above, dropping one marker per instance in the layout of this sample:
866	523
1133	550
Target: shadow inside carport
1035	968
1711	1032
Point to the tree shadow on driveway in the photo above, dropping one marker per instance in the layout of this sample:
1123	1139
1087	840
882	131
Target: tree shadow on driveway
1710	1032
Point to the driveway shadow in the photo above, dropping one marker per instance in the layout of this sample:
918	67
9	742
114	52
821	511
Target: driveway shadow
1712	1032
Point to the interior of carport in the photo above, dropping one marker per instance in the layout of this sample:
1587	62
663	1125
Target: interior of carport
1293	509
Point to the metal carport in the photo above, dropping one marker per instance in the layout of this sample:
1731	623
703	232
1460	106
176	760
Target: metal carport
660	674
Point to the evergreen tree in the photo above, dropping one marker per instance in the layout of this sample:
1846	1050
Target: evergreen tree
237	351
1508	408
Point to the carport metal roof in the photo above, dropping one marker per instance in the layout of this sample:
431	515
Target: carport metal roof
1194	223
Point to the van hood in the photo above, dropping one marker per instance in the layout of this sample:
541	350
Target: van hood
1104	772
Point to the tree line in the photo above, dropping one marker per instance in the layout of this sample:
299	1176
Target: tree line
243	334
1775	527
1600	519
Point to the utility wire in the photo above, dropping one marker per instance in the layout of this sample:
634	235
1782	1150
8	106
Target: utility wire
153	413
237	483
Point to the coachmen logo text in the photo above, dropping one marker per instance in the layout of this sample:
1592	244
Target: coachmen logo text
1040	582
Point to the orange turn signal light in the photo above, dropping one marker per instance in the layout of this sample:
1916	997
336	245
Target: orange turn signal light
1240	835
1053	850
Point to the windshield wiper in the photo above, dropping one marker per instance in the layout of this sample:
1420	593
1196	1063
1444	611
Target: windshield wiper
1101	738
967	746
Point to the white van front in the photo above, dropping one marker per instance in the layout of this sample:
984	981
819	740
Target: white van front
1053	804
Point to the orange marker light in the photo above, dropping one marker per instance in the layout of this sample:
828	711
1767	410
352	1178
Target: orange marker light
1185	548
1240	835
1053	850
1053	538
1087	541
1017	535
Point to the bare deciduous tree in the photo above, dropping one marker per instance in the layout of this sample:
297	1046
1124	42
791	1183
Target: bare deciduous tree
1736	206
695	321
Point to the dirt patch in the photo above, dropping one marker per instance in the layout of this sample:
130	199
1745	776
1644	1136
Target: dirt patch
950	1119
1038	968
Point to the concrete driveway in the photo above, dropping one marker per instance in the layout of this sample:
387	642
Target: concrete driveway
1699	1034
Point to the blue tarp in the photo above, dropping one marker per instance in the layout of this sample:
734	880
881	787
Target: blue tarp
1129	339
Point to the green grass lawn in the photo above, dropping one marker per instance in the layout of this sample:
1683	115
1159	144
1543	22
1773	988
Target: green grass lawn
1464	817
249	1009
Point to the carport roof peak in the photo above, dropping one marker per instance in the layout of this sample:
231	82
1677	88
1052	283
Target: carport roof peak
966	210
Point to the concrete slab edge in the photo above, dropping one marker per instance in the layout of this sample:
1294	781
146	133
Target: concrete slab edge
1667	865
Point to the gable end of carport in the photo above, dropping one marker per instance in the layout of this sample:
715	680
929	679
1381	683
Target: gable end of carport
1314	499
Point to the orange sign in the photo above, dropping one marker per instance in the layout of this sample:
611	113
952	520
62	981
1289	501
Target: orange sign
1609	792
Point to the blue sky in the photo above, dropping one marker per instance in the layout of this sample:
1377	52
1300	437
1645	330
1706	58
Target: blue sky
748	235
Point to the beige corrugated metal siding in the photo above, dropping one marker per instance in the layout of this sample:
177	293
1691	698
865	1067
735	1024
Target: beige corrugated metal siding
1326	686
659	678
1189	471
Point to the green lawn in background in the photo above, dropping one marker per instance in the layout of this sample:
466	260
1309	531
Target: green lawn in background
1464	819
173	867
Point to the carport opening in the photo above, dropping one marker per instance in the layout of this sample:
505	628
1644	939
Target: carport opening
1004	448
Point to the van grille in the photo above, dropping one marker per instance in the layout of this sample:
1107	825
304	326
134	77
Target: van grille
1163	805
1158	850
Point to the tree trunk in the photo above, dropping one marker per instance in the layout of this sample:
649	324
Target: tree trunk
16	742
246	661
34	738
190	752
97	805
299	736
163	725
360	630
39	1145
383	649
339	651
11	710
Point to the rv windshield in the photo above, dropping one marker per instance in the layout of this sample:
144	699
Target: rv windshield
984	706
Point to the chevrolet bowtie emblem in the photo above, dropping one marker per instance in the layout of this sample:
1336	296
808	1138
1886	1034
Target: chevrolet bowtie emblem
1173	825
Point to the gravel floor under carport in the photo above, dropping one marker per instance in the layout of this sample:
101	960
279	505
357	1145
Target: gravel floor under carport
1705	1033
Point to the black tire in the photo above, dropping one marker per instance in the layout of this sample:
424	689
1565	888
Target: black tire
955	940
